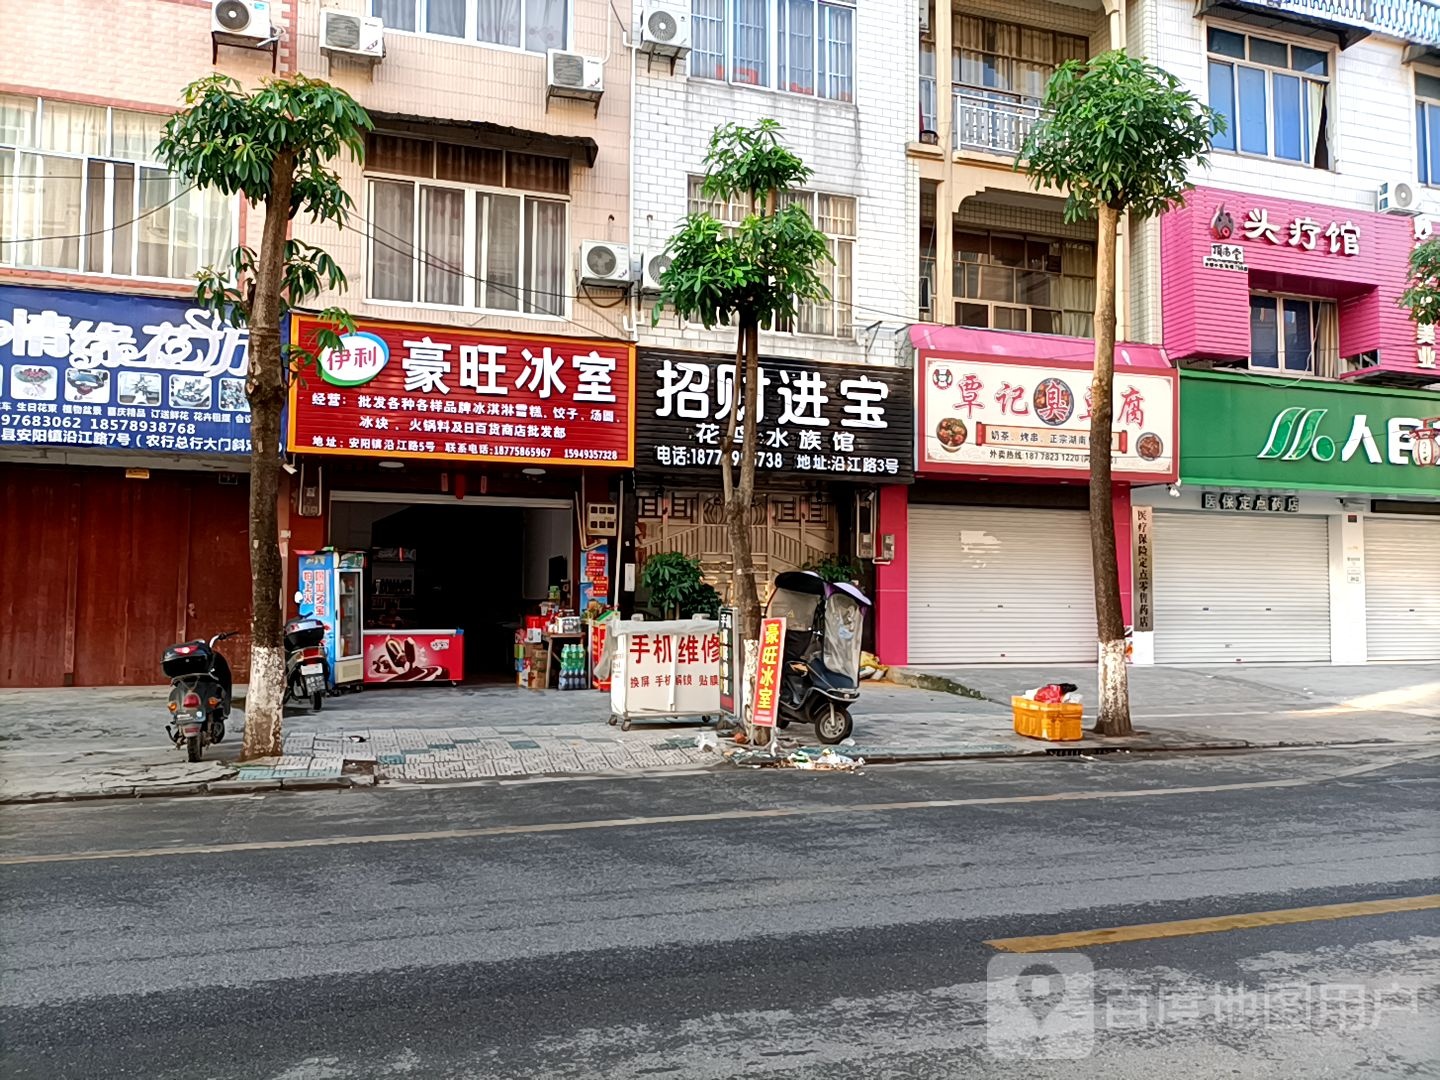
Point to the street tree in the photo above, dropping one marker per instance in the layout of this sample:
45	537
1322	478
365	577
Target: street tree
276	146
1120	136
1422	289
756	274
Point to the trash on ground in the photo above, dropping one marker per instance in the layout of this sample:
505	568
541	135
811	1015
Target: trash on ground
871	668
808	759
1055	694
707	740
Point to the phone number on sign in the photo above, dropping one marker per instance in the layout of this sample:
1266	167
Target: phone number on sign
592	455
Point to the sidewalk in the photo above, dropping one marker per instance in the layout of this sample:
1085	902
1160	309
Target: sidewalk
110	742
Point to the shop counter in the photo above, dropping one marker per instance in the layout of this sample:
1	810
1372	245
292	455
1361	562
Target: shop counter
414	656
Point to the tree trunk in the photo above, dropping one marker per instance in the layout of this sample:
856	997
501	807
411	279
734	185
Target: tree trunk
1114	714
737	514
737	511
265	387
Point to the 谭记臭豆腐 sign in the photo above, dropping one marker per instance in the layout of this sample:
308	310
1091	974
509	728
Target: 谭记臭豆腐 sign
812	418
135	373
981	417
453	393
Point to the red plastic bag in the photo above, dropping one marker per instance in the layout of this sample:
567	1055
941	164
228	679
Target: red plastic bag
1050	694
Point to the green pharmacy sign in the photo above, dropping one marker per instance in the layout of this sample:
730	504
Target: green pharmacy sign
1259	431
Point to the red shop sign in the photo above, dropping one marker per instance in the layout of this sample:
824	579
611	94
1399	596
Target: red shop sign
454	394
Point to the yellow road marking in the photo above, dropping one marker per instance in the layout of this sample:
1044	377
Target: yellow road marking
1081	939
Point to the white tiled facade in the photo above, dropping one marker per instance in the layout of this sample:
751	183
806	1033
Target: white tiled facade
854	149
1372	129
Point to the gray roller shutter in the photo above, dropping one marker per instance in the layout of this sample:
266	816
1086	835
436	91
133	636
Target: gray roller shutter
1000	586
1402	588
1233	587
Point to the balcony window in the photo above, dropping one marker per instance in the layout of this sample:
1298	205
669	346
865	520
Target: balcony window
1038	284
1273	95
1427	127
1000	71
82	191
799	46
534	25
1293	334
467	227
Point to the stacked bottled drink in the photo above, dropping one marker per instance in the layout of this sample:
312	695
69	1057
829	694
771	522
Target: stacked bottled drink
572	667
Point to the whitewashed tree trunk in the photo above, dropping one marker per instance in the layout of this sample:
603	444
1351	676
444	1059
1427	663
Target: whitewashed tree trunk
263	700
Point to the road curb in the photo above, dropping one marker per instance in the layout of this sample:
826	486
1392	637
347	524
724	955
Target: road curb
185	791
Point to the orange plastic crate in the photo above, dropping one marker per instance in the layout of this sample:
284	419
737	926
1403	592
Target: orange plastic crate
1053	723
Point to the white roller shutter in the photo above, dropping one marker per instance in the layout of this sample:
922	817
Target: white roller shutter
1232	587
1402	588
1000	586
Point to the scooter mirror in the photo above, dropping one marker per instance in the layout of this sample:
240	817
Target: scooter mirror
299	597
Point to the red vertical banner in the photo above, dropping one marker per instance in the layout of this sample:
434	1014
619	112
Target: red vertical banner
767	673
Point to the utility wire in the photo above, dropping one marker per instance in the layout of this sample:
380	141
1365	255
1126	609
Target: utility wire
102	230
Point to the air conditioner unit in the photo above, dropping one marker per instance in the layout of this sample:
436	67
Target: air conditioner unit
1397	197
604	264
344	34
571	75
651	267
665	28
248	19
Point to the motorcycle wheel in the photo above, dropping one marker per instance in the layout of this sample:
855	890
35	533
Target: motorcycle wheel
782	722
193	748
317	702
832	723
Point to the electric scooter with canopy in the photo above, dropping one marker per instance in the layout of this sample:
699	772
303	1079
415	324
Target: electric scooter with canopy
820	663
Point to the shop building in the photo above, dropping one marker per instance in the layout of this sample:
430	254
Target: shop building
831	439
124	439
995	564
1305	527
1308	514
477	475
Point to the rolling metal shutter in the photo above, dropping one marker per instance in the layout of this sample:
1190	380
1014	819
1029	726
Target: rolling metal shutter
1402	588
1000	586
1230	587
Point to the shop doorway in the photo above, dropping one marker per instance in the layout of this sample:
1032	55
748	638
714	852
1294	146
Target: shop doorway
441	564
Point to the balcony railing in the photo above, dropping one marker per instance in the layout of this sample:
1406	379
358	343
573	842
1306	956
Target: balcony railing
1414	21
992	120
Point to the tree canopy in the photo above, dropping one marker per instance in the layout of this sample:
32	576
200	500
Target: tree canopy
766	266
1119	132
1422	289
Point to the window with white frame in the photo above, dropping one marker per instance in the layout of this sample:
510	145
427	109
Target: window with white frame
82	191
467	226
799	46
1011	281
534	25
1427	127
835	216
1274	96
1294	334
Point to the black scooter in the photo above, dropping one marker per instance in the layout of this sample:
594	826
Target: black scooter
200	685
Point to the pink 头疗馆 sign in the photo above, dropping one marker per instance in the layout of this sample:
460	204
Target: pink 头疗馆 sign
1224	245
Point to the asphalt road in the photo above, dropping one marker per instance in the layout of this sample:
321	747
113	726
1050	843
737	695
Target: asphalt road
761	924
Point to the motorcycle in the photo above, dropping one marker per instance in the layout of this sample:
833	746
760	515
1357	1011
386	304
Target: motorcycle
820	662
307	669
200	685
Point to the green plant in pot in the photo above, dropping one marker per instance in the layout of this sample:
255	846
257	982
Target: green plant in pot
835	568
676	587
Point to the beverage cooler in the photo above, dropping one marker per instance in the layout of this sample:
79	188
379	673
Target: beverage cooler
332	590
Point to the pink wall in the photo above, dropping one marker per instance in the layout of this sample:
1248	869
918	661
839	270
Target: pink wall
1206	311
892	582
1120	508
